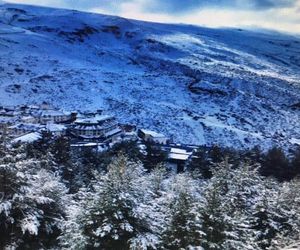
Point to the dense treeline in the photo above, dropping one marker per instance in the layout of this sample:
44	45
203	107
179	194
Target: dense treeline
53	198
273	163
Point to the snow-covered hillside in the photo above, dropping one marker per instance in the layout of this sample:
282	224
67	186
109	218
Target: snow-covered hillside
198	85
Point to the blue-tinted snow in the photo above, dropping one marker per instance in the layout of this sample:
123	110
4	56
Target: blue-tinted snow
242	83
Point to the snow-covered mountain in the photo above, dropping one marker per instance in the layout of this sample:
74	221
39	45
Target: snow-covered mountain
198	85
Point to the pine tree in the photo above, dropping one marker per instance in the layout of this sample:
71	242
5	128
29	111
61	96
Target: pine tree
110	216
286	208
41	146
215	223
296	162
32	204
276	164
154	156
201	164
60	148
229	198
271	219
183	229
216	154
254	155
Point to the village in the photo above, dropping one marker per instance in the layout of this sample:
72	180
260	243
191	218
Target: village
95	130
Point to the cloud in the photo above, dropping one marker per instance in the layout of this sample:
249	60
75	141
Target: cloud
167	6
89	4
180	6
274	14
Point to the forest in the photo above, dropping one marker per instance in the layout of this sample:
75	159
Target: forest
53	198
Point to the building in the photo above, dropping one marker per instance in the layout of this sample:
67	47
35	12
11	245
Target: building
56	129
152	136
178	158
129	132
29	119
5	122
99	127
89	146
54	116
27	138
7	111
23	128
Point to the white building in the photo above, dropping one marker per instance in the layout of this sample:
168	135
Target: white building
152	136
102	127
178	158
56	129
54	116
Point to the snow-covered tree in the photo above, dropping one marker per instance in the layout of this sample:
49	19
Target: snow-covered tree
157	180
32	202
243	210
183	228
215	224
112	215
286	210
229	199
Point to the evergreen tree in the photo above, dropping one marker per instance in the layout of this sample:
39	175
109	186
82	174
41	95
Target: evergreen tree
32	204
253	156
157	179
79	172
229	198
111	215
183	229
276	164
200	163
60	149
270	220
3	139
215	223
129	148
286	208
40	147
216	154
154	157
296	162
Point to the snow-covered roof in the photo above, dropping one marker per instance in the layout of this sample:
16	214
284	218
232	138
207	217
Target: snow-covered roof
27	118
179	151
88	144
52	127
94	120
52	112
132	133
113	132
30	137
175	156
26	126
33	107
11	108
179	154
152	133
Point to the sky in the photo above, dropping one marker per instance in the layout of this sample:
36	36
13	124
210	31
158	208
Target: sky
282	15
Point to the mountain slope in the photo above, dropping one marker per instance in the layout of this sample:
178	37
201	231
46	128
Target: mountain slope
198	85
